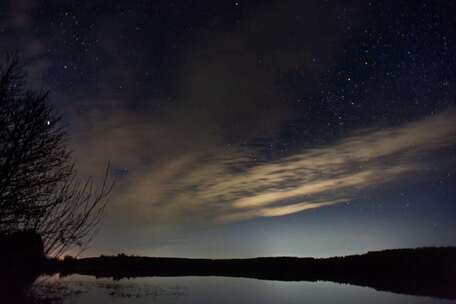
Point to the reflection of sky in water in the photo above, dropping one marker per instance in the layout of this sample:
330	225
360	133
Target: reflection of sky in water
77	289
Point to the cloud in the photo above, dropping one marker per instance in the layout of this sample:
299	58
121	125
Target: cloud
19	19
21	12
334	173
219	185
178	149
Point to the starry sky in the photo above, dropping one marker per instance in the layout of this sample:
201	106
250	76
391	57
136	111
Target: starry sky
253	128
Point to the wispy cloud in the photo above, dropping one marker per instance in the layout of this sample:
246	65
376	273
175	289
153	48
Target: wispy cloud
334	173
214	185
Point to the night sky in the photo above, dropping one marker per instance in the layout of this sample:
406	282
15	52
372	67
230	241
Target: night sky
252	128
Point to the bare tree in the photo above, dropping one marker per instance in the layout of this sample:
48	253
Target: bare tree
75	214
39	186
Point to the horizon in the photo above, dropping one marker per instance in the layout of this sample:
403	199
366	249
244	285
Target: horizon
121	255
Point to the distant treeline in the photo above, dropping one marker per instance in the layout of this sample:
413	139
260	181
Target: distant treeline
422	271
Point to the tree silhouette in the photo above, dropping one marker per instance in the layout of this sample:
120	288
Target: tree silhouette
39	186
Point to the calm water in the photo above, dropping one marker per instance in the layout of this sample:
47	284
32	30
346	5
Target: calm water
84	289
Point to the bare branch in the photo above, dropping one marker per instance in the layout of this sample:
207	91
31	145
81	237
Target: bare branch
39	185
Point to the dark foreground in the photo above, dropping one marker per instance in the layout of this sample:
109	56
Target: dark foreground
421	272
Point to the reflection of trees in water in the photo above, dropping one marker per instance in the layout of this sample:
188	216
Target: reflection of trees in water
54	289
49	290
141	290
25	291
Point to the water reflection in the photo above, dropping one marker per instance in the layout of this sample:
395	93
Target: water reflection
77	289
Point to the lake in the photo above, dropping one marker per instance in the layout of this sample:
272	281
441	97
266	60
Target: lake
77	289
